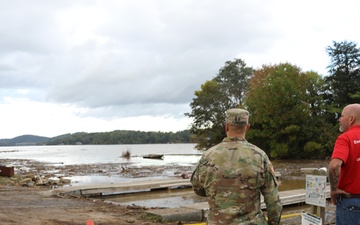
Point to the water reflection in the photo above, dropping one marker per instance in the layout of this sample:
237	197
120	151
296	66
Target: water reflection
178	197
158	198
286	185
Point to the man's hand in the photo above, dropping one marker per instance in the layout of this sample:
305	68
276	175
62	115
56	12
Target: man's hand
334	195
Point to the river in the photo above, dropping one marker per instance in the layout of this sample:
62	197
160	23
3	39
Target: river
179	154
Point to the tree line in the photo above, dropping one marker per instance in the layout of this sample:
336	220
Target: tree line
293	113
121	137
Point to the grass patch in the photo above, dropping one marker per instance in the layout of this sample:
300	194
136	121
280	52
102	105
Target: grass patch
13	181
152	217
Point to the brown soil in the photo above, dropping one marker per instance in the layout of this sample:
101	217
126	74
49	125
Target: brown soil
32	204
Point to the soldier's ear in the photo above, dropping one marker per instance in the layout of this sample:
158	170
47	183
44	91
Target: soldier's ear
226	127
247	127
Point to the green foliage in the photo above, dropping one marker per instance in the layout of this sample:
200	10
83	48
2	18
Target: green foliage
293	114
24	140
312	147
233	78
224	91
208	113
344	79
121	137
278	150
285	106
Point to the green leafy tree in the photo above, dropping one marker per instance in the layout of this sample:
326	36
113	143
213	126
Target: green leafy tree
233	78
122	137
224	91
286	107
208	109
318	126
344	75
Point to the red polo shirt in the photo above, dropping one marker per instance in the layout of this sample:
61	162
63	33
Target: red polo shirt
347	148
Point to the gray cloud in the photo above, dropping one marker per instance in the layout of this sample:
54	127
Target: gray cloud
156	55
131	57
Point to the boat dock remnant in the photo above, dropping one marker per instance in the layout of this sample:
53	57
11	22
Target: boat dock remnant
190	212
199	211
125	187
131	186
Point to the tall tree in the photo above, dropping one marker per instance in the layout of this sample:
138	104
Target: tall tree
344	75
224	91
207	112
285	106
233	78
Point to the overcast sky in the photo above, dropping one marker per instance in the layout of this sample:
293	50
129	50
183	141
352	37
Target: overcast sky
102	65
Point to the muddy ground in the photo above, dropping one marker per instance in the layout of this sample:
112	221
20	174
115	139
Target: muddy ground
26	202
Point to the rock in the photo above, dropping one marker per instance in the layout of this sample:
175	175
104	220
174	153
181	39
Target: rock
28	184
39	181
65	181
30	175
26	180
53	180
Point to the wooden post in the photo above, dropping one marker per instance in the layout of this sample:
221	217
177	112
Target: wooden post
319	212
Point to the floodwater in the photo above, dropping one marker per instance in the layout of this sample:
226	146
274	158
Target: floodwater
286	185
173	198
180	154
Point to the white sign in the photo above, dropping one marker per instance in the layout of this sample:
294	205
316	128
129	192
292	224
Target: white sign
315	190
309	219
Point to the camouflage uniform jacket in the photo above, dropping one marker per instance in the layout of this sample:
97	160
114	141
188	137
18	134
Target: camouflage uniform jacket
233	175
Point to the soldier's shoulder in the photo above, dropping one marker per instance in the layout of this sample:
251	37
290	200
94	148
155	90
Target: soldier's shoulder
257	149
214	148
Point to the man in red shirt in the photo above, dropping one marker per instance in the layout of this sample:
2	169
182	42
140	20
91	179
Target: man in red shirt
344	171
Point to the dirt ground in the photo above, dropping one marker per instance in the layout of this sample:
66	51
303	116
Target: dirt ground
21	203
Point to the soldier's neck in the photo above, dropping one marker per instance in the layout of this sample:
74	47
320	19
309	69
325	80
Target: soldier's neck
235	134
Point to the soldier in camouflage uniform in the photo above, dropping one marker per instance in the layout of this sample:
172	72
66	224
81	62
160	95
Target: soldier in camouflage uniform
234	174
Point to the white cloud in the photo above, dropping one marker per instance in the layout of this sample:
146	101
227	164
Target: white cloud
23	116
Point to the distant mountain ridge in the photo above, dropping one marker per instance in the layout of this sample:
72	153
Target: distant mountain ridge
24	140
112	137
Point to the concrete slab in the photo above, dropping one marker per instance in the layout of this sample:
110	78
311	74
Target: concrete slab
176	214
132	186
199	211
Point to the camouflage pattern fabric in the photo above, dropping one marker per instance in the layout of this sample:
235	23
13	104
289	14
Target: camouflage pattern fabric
237	116
233	175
